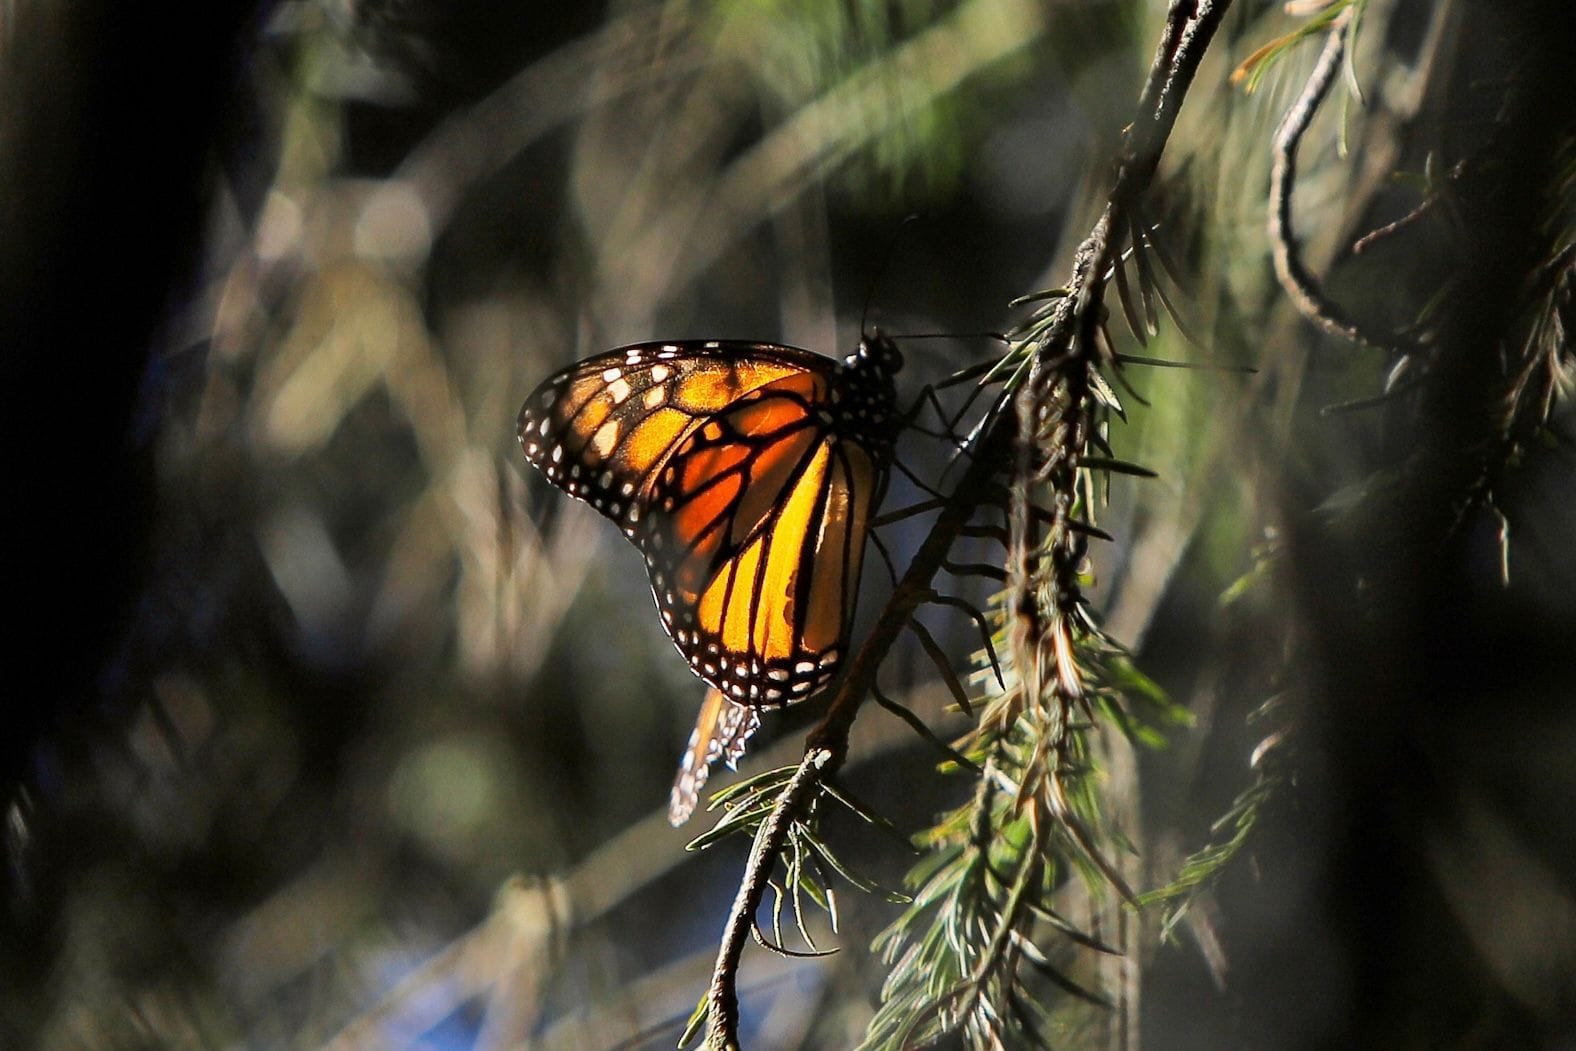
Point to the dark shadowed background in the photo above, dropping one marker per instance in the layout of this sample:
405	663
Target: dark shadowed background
329	720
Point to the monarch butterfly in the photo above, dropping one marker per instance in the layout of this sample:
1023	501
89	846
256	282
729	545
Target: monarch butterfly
747	475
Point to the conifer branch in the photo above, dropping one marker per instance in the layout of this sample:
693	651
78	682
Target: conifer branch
1058	349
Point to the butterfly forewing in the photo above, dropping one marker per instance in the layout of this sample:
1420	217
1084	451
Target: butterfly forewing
601	428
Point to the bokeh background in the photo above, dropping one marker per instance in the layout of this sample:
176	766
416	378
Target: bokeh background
330	722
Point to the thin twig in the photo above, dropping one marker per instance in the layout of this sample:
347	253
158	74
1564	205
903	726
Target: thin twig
722	998
1303	288
1424	207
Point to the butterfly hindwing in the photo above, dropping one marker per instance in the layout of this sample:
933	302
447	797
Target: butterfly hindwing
755	536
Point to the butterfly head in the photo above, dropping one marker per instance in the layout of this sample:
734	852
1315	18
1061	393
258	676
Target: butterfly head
876	354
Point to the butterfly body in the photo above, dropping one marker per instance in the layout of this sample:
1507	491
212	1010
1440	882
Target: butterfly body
747	475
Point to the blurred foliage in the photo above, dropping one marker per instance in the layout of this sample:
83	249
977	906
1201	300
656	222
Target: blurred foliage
379	751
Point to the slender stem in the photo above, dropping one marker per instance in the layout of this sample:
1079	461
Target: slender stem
1300	285
722	998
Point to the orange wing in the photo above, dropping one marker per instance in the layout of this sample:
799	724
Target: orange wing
755	538
601	428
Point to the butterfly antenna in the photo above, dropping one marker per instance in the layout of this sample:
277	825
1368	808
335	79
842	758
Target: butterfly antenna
997	336
886	262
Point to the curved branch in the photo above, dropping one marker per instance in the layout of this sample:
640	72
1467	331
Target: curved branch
1303	288
722	1001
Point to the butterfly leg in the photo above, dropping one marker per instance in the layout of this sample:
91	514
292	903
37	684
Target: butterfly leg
924	486
927	397
886	556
